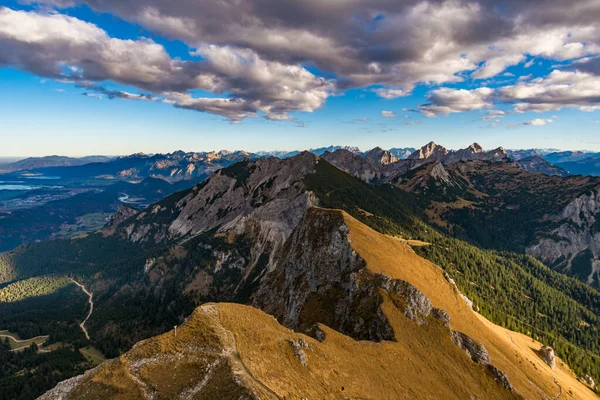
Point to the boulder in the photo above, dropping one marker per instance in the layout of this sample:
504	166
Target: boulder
588	380
547	354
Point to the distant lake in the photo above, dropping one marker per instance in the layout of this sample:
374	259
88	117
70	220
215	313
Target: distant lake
43	177
20	185
10	186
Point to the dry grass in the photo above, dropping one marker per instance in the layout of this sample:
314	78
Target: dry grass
387	256
257	356
423	364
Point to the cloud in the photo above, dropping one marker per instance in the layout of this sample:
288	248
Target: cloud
560	89
494	116
557	90
253	53
445	101
93	95
66	48
538	122
388	114
357	121
390	94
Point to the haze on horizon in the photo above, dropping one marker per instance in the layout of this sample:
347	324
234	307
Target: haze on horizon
114	78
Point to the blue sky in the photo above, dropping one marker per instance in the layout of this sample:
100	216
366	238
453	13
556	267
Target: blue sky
72	76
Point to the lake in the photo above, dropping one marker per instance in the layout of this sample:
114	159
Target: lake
20	185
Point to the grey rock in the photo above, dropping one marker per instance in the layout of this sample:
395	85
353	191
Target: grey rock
476	351
547	355
299	352
588	380
500	377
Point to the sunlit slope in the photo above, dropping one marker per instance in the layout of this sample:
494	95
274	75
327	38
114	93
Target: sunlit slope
526	372
227	350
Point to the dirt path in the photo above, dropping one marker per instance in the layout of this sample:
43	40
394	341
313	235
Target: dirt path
38	340
24	340
91	303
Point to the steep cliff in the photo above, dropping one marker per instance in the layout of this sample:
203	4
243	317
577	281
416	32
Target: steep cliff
572	242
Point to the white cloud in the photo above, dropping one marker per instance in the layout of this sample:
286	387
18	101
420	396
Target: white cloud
538	122
388	114
445	101
558	90
392	93
66	48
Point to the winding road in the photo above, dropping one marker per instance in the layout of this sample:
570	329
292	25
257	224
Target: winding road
91	302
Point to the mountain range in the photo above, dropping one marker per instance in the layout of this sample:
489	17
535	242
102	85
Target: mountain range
353	276
181	165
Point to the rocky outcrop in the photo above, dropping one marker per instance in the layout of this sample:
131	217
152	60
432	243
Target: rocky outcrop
573	244
124	212
547	355
588	380
299	348
477	352
440	174
321	279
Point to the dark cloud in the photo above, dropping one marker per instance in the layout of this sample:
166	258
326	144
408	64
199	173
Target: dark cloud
253	51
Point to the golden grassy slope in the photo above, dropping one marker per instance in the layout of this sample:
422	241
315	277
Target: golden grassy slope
229	351
528	375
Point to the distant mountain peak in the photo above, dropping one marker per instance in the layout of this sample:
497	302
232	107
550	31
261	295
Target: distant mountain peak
476	148
430	150
381	156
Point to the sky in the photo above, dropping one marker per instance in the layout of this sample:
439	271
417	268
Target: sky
118	77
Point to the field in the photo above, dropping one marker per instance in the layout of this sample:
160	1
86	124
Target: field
85	224
92	355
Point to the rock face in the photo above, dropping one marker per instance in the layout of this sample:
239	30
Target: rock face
321	279
430	152
440	174
381	156
547	354
264	199
538	164
362	167
124	212
573	245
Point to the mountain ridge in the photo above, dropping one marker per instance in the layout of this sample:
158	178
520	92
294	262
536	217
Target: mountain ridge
226	334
